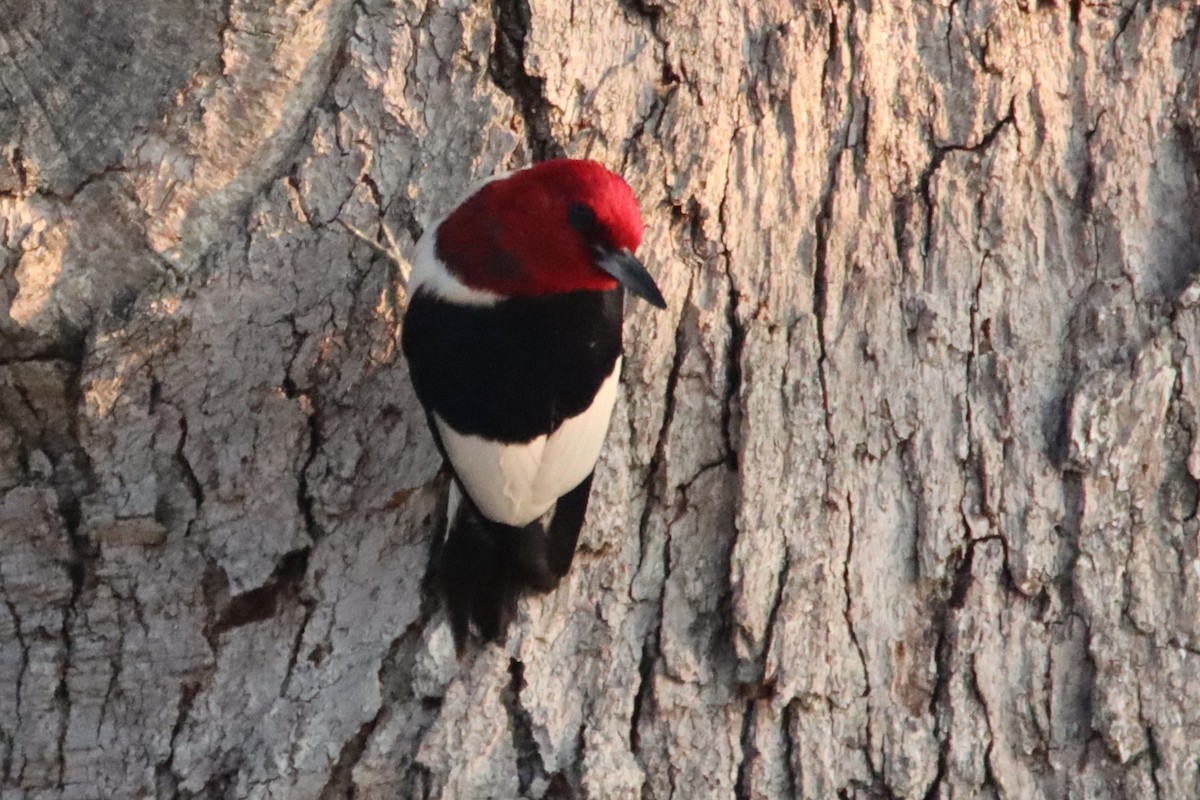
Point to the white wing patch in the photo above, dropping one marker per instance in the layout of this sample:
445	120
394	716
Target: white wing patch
517	483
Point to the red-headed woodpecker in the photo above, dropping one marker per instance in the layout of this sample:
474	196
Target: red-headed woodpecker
513	340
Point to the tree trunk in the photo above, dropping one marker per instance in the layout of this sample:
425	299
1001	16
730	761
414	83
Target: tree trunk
900	494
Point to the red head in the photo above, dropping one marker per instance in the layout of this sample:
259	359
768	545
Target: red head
558	226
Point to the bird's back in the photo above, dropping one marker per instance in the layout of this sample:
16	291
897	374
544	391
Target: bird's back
519	396
516	370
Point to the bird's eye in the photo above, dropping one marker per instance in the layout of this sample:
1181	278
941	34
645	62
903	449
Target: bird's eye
581	217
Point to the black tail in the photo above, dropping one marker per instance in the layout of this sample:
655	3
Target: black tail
485	566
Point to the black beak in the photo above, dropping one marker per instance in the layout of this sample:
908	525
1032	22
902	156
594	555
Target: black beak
631	274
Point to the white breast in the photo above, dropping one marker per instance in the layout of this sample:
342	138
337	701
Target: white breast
517	483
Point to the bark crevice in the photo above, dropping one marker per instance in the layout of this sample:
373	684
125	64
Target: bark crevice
507	69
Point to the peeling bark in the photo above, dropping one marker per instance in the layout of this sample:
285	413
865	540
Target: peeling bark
900	496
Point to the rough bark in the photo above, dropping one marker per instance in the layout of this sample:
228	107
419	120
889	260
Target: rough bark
899	498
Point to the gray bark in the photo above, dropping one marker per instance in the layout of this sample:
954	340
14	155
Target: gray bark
900	494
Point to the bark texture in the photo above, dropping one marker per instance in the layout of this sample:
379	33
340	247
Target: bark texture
900	496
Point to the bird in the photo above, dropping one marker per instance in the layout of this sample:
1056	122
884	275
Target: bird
512	335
